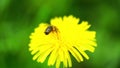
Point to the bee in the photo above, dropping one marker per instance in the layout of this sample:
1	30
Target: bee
50	29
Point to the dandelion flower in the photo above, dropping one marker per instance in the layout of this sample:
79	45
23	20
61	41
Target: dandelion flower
61	39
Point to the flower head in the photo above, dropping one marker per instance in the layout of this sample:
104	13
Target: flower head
60	39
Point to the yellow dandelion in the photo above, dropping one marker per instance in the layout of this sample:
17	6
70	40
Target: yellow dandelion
62	38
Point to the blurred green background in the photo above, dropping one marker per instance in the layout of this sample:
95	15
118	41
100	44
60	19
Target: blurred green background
18	18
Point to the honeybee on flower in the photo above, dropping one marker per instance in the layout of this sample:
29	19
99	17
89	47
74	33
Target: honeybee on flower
60	40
